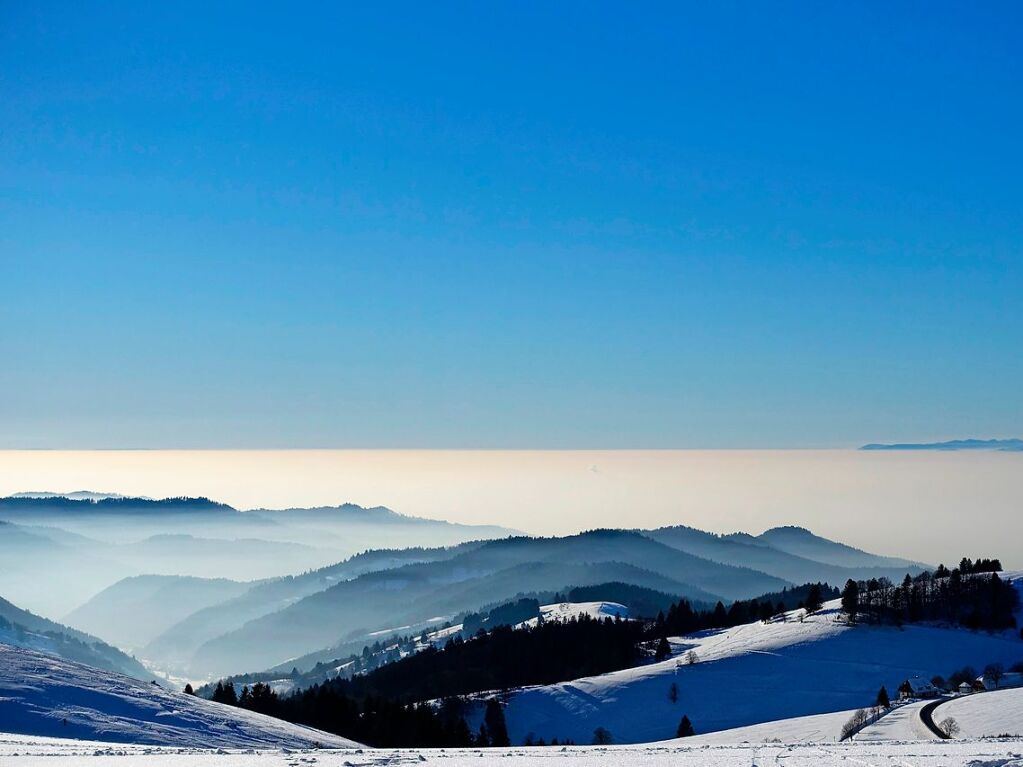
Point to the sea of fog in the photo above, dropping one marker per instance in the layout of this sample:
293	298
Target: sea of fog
925	505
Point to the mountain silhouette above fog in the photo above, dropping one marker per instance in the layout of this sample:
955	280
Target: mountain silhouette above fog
1005	445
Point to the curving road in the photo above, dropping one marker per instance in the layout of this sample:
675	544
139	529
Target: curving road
927	717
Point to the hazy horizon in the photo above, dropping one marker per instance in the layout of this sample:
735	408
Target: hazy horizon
927	506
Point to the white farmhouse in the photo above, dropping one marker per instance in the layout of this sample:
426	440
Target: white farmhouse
917	687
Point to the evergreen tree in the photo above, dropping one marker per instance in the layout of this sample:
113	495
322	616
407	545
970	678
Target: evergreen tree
663	650
882	698
851	599
493	717
189	690
685	728
813	598
225	693
602	737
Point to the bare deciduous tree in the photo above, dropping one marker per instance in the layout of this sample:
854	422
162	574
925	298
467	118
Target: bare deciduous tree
950	727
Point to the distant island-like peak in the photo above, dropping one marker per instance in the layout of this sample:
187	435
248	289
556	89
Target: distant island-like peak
1010	445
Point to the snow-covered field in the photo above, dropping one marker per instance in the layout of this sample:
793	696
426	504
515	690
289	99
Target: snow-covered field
566	611
22	751
752	673
561	612
44	695
988	714
816	728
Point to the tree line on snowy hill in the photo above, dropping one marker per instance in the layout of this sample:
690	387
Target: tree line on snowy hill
682	618
504	657
379	722
971	595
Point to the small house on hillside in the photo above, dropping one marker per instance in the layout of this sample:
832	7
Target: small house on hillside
1003	681
917	687
965	688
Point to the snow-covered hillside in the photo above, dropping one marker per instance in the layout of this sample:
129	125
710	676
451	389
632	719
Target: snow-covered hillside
48	696
816	728
750	674
988	714
22	628
559	612
566	611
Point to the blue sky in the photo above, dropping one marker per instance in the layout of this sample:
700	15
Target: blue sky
518	225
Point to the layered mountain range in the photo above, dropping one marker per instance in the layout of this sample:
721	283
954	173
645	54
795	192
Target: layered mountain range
202	589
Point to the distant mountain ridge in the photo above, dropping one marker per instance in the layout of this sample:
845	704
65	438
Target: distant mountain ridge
799	541
76	495
1008	445
86	501
793	554
109	504
155	602
103	538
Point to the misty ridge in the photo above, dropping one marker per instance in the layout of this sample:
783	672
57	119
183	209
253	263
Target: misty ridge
1003	445
213	591
105	538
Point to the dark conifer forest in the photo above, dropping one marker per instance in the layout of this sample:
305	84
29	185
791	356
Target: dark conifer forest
971	595
504	657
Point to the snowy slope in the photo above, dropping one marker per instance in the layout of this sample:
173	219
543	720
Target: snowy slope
750	674
566	611
560	612
22	628
45	695
903	723
21	751
987	714
816	728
